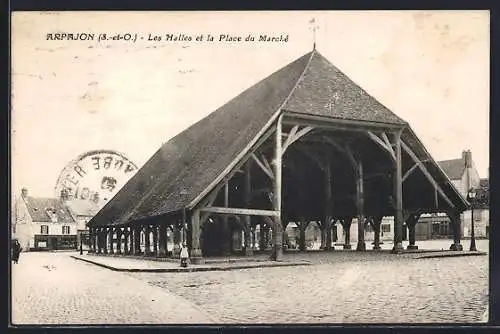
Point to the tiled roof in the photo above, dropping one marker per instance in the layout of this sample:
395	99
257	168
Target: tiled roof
454	168
484	183
82	207
40	209
184	167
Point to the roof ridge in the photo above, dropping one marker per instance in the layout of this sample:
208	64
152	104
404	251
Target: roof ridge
240	156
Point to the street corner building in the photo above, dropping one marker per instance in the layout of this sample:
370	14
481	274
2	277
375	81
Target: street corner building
45	223
304	144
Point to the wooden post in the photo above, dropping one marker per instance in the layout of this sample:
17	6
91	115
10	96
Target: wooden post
98	240
247	219
147	240
278	228
456	225
155	240
105	240
302	234
196	255
327	223
227	236
346	225
411	222
398	194
376	221
162	240
177	239
360	204
137	240
118	240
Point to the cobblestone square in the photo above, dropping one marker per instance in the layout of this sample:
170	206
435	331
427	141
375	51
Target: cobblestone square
339	287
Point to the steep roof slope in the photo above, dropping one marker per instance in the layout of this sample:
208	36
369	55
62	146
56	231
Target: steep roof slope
454	168
38	207
188	164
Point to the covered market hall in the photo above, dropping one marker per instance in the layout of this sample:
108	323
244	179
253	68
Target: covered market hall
304	144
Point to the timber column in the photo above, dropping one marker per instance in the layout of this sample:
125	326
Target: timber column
398	194
105	240
278	228
196	255
247	219
376	221
302	234
411	222
346	226
162	236
147	241
327	224
111	237
119	240
99	240
137	240
360	204
456	224
155	240
177	239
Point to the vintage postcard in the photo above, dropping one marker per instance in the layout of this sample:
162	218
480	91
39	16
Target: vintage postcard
250	167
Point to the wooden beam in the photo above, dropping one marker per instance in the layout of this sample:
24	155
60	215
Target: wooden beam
266	163
312	157
426	173
240	211
388	143
409	171
262	166
295	135
345	150
278	156
398	194
382	144
329	120
290	136
209	202
352	159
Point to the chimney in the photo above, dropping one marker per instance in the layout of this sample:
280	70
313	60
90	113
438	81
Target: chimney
24	193
64	195
467	158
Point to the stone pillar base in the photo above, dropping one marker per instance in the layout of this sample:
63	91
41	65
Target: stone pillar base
412	247
398	248
377	247
456	247
347	246
361	246
329	248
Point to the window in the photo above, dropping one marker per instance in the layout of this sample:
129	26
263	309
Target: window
65	230
44	229
386	228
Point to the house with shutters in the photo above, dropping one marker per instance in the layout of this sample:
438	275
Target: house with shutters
41	223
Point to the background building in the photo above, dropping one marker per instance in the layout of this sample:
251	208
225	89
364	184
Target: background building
43	223
463	174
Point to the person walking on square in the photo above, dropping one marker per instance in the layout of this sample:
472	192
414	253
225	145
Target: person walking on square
16	251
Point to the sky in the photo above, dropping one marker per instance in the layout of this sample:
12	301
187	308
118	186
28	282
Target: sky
72	96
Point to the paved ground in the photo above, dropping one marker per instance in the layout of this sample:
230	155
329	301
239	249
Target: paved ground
52	288
341	287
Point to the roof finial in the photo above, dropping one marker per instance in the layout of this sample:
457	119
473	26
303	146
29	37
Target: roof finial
313	27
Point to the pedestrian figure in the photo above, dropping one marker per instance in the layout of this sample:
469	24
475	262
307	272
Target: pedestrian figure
16	251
